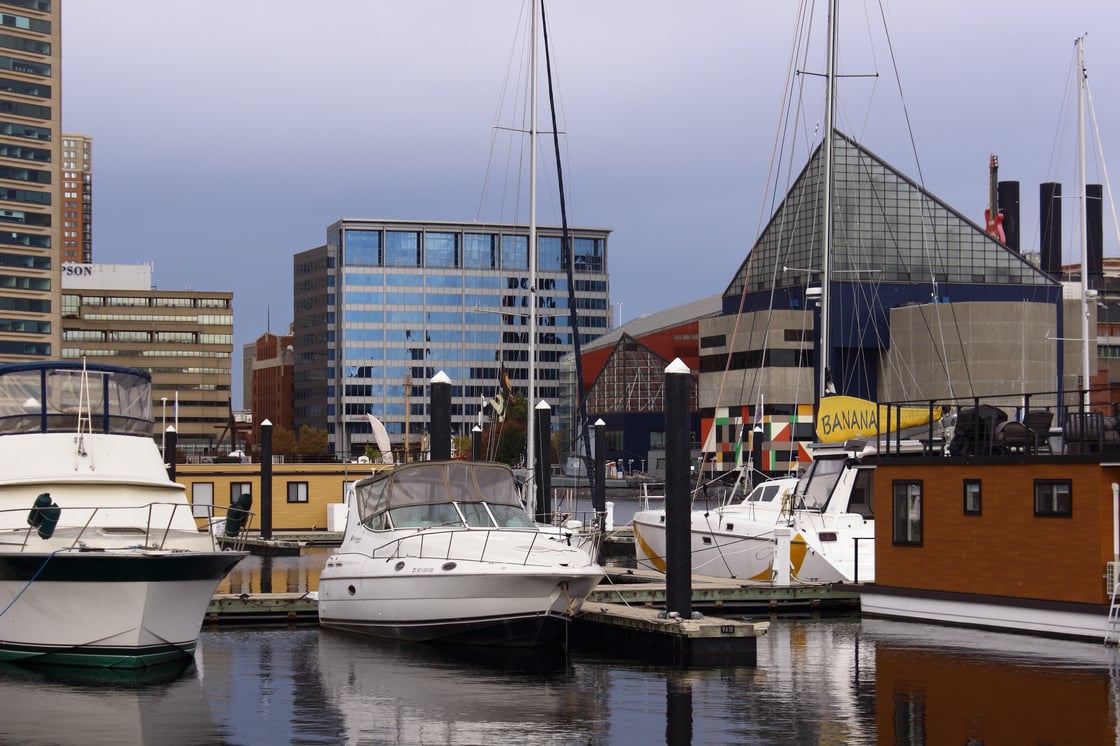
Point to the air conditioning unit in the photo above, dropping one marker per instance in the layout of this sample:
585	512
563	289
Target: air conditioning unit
1111	577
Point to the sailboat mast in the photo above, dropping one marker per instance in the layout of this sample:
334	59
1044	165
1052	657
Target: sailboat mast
1081	196
824	333
530	454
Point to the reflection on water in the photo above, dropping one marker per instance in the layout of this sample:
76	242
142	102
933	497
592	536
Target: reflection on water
277	574
817	681
60	705
934	688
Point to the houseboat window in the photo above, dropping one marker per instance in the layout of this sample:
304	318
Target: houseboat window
297	492
907	503
237	489
972	497
202	499
1053	498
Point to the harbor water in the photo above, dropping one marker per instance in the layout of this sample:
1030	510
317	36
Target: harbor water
816	681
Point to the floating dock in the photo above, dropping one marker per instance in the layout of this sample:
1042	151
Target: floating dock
650	634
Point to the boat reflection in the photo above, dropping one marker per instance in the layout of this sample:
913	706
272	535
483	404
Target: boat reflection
70	705
949	685
399	692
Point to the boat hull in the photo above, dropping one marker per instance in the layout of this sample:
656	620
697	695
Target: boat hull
1050	619
725	544
499	604
136	609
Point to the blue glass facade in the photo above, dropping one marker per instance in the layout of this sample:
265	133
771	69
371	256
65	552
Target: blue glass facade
416	299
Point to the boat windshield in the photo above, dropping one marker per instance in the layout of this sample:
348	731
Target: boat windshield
53	397
438	493
818	483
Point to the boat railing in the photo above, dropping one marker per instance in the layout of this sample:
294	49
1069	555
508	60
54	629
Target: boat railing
152	526
651	495
1043	423
471	544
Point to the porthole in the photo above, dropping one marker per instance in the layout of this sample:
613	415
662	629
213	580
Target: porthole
399	566
351	590
448	566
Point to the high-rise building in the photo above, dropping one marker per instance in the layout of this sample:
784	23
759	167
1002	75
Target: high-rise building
77	198
30	178
387	304
272	382
184	338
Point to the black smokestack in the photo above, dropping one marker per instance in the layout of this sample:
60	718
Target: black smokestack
1050	226
1094	234
1007	194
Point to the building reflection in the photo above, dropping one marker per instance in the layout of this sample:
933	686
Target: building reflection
298	574
947	685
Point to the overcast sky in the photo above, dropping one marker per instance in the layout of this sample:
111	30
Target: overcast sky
229	135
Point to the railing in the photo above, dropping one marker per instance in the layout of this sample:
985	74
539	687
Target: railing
96	525
462	544
1030	423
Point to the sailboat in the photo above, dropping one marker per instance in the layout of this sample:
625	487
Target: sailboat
827	509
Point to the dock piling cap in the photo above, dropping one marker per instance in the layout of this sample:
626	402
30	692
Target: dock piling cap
677	366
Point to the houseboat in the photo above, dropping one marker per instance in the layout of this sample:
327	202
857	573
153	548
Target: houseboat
1015	526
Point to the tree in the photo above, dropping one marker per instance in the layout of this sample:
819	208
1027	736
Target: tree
511	434
462	446
312	443
283	442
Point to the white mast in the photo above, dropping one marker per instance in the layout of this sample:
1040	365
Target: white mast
825	277
530	459
1084	216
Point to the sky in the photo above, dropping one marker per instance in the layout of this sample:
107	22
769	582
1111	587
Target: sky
229	135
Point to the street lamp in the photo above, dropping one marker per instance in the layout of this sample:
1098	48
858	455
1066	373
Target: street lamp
163	442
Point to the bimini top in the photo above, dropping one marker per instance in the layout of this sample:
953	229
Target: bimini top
417	493
64	396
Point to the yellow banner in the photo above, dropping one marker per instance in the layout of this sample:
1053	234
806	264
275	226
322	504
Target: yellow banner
842	417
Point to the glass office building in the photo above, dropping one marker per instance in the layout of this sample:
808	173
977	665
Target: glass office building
384	305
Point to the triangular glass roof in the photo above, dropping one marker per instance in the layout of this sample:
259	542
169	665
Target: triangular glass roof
632	380
887	230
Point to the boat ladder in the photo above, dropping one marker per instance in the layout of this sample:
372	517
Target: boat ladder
1112	628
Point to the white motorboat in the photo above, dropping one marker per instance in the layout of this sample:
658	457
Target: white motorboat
103	561
444	550
826	509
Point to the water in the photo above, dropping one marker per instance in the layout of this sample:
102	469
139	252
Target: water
816	681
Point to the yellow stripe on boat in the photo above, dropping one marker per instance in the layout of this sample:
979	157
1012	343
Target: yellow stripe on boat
842	417
798	548
657	562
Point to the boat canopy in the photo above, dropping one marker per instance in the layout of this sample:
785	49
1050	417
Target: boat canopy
435	482
58	396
